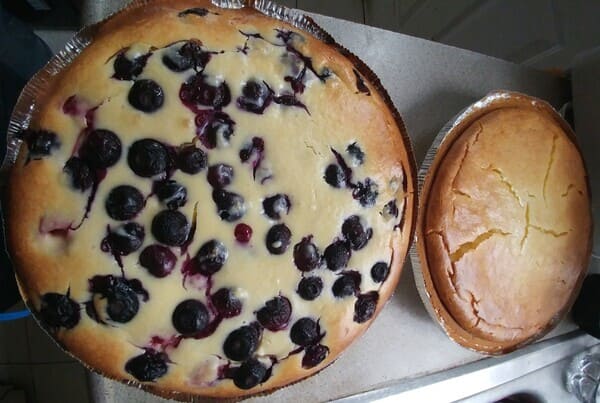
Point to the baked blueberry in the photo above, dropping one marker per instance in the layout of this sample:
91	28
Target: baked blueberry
58	310
191	159
355	233
211	257
306	255
124	202
334	176
199	11
241	343
148	158
39	142
255	97
347	284
226	304
276	313
314	355
190	317
220	175
366	192
126	238
337	255
379	272
277	205
100	149
146	96
310	288
148	367
249	374
189	55
278	239
171	193
128	69
254	150
122	300
242	233
230	206
217	131
390	210
357	156
159	260
305	332
365	306
198	91
79	172
170	228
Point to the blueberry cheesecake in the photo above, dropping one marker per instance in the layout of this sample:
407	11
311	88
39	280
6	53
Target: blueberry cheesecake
209	201
504	227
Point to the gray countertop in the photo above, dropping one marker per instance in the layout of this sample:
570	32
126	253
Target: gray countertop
429	83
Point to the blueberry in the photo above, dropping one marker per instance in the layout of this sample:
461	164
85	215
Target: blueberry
39	142
158	260
390	210
80	173
189	55
197	91
148	367
220	175
58	310
347	284
190	317
365	306
334	176
191	159
218	131
170	228
126	239
148	158
250	374
354	232
314	355
356	154
241	343
366	192
243	233
256	96
276	313
171	193
211	257
123	302
199	11
126	69
230	206
379	272
278	239
226	304
254	148
124	202
306	255
310	288
101	149
276	205
305	332
146	96
337	255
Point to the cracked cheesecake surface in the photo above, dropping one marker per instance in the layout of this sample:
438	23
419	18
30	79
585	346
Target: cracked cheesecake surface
507	223
209	201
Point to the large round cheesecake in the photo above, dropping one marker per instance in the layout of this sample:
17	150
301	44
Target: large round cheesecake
209	201
505	225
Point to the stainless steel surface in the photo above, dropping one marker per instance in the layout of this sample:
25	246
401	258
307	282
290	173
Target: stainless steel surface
429	83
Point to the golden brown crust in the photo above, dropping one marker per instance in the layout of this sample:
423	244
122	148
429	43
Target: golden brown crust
50	267
504	229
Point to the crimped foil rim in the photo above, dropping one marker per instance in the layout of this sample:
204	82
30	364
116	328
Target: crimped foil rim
448	134
26	105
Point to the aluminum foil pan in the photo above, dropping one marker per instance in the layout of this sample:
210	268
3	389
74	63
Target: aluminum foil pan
25	107
441	144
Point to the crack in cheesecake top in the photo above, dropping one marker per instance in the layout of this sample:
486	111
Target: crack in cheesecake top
225	205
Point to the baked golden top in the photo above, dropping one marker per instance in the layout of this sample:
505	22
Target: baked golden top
507	224
209	201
